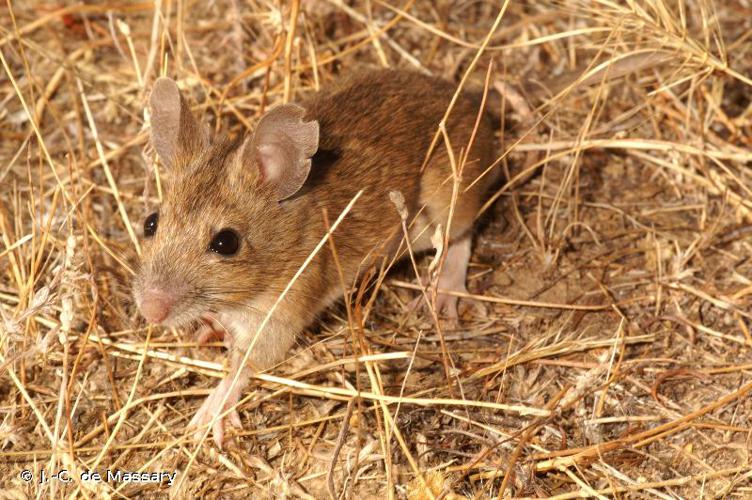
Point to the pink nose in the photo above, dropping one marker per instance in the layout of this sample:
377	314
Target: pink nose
156	305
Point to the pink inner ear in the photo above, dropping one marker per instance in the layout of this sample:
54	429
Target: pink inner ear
273	159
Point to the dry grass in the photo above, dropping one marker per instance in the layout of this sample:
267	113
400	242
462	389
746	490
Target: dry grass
613	354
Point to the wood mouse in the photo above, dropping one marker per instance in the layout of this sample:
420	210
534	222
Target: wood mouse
240	216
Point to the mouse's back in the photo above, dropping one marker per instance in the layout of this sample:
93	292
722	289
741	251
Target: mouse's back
376	128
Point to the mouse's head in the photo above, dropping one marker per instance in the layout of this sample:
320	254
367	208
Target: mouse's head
215	241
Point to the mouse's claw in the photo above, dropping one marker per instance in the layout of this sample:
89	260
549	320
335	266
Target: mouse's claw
212	407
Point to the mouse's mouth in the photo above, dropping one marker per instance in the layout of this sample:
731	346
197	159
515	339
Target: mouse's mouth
181	319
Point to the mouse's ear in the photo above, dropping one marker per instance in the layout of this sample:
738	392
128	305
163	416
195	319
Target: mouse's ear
175	133
282	147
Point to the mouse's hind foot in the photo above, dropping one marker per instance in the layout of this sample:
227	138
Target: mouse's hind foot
452	279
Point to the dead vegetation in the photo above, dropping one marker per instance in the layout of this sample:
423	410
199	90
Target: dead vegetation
611	356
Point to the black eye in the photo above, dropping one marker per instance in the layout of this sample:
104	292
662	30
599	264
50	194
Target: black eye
150	225
225	242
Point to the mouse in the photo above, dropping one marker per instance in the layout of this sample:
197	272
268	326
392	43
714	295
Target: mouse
240	215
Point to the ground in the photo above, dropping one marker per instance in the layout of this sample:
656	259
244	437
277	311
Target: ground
604	347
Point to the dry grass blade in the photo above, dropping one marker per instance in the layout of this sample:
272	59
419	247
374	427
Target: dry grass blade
611	356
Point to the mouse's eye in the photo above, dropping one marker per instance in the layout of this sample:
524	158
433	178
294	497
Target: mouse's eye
225	242
150	225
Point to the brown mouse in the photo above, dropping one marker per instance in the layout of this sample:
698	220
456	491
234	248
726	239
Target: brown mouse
240	216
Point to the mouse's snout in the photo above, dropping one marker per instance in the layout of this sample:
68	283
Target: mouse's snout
156	304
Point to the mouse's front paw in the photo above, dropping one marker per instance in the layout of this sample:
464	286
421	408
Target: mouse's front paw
214	410
207	334
212	331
